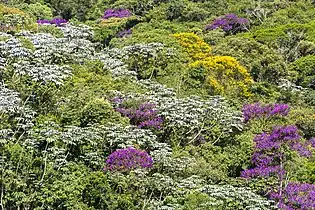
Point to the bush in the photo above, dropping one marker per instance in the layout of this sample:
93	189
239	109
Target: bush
263	63
39	11
193	45
303	71
224	75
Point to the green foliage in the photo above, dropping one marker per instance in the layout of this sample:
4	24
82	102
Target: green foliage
14	19
71	8
99	111
303	71
263	63
39	11
304	118
84	102
50	30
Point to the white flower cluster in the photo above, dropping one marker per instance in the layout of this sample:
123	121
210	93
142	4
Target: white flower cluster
290	86
117	68
145	50
12	49
77	32
242	198
42	72
10	101
3	63
11	104
45	62
119	136
50	49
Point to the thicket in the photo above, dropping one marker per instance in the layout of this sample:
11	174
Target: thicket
157	104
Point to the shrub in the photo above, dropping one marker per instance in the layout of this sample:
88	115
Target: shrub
263	62
303	71
144	116
295	196
230	23
193	45
117	13
269	157
224	75
39	11
128	159
251	111
13	19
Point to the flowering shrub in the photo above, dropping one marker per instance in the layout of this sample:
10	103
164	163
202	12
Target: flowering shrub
225	75
252	111
43	73
269	157
230	197
9	100
193	45
230	23
117	13
295	196
14	19
55	21
128	159
144	116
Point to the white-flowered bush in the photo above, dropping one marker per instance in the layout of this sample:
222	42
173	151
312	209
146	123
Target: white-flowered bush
10	101
43	73
229	197
188	116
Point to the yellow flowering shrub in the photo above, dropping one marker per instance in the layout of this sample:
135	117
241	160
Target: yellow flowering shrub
14	19
225	75
193	45
10	11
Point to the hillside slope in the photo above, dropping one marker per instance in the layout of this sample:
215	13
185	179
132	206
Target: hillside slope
155	104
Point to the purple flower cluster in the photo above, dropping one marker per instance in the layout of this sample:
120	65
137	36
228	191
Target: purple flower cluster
118	13
144	116
229	23
311	142
55	21
295	196
124	33
251	111
267	158
128	159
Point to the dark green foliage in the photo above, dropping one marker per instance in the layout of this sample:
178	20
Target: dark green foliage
263	63
303	71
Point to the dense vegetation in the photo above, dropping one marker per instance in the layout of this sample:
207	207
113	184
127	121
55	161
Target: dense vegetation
157	104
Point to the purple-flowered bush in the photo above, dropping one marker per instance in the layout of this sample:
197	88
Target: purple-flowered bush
268	157
43	21
55	21
230	23
144	116
252	111
295	196
118	13
128	159
58	21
